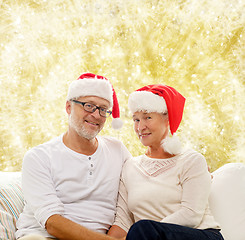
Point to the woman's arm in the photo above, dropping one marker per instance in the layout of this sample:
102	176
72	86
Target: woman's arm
124	218
196	183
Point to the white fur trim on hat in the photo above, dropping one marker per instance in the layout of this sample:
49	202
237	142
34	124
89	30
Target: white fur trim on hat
146	101
91	87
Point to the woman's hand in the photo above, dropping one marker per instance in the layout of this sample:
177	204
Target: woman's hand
123	238
117	232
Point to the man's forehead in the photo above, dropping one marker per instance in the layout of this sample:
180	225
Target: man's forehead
95	100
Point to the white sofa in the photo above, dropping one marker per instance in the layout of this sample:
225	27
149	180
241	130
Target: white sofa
227	201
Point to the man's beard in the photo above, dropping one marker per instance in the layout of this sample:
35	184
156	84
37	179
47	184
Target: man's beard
79	127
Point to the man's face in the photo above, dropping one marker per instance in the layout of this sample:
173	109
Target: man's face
87	124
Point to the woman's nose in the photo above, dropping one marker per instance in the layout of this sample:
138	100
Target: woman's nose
141	126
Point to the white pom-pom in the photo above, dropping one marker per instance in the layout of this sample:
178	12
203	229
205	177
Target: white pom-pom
116	123
172	145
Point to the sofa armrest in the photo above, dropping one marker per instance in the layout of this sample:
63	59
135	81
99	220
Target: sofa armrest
227	200
11	203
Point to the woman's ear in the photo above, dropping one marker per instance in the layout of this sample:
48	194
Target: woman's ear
166	122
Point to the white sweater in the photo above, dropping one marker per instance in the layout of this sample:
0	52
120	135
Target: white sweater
58	180
173	190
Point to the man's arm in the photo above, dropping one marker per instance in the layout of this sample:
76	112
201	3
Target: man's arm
65	229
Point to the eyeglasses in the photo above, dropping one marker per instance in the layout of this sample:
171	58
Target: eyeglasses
89	107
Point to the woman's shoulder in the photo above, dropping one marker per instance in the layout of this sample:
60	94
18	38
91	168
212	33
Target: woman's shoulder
193	164
191	154
190	157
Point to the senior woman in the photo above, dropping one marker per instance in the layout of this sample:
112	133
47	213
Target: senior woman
163	193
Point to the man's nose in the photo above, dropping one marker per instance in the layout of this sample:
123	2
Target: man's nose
96	113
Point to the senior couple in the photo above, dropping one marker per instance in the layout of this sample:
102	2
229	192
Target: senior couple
81	186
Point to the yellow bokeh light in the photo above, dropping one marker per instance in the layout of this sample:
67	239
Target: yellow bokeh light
198	47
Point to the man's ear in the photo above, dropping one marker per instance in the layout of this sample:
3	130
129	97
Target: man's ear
68	107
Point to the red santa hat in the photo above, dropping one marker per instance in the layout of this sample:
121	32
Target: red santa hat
89	84
160	98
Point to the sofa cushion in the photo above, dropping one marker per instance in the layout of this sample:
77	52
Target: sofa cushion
11	203
227	200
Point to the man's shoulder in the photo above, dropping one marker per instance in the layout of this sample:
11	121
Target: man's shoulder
45	147
114	144
110	140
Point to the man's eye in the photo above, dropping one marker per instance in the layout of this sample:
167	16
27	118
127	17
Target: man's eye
103	109
89	105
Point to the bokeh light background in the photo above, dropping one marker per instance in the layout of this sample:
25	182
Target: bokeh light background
198	47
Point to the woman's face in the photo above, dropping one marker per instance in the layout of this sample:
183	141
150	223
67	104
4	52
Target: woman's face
151	128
